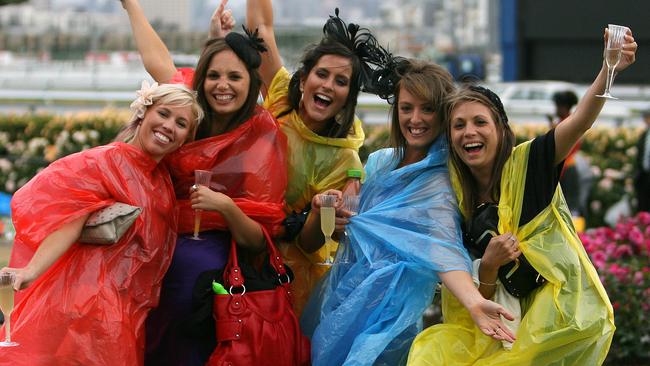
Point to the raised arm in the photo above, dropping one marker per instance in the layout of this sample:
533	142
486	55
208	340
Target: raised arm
573	127
259	15
50	250
222	21
155	55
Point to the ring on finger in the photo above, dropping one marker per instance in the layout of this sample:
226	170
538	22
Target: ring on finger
512	237
194	188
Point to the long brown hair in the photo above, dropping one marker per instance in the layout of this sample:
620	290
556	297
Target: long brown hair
424	80
213	47
340	125
505	145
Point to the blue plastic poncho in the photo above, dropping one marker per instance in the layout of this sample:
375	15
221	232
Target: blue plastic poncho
368	309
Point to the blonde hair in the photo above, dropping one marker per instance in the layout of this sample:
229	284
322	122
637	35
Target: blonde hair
176	95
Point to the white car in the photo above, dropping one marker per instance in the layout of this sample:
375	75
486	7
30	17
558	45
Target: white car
531	101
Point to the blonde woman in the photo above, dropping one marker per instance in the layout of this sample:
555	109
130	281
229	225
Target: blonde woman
83	304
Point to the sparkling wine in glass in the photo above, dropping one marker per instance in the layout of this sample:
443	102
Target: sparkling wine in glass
7	280
201	178
615	38
328	223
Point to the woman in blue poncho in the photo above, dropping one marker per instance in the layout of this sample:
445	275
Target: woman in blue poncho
405	239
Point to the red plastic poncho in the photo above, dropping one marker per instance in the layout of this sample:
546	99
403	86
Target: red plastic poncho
248	165
89	308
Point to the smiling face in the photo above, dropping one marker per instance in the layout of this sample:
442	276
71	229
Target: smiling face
474	136
226	83
418	122
163	129
325	90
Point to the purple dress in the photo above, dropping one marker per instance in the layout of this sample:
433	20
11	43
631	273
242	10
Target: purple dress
167	340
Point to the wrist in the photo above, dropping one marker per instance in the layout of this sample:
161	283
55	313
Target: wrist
488	267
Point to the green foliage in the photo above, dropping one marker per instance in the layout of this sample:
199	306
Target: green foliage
7	2
28	143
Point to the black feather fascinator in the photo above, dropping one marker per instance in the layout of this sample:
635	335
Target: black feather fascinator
247	46
380	70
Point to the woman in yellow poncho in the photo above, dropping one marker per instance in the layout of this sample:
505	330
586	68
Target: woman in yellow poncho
566	321
315	108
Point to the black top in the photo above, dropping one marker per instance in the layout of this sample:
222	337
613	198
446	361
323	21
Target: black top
542	177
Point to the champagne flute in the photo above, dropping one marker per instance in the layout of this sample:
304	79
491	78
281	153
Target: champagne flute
615	38
201	178
7	280
351	203
327	223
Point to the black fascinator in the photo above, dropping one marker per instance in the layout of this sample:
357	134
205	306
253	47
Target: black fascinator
247	46
360	41
493	98
384	78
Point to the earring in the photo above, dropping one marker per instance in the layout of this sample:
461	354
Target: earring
339	117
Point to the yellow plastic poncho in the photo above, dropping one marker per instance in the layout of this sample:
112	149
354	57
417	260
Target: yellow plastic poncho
568	321
315	164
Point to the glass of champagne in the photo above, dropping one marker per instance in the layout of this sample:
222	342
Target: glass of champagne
327	223
201	178
615	39
7	280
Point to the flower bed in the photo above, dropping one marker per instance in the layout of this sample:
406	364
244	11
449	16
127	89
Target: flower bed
30	142
622	257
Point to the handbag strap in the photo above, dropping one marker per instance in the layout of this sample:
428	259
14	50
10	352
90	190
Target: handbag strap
233	275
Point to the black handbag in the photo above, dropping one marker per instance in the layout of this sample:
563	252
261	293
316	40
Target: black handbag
518	276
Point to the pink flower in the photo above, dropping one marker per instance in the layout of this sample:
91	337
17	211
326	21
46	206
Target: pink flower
644	218
599	259
623	250
636	236
610	248
638	278
619	272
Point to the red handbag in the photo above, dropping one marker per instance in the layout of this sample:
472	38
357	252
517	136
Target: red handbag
257	328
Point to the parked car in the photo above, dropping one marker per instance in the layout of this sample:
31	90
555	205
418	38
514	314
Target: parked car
531	101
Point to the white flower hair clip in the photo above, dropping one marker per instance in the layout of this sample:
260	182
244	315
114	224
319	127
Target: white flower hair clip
144	99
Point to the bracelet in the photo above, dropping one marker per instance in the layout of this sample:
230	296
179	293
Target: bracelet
487	284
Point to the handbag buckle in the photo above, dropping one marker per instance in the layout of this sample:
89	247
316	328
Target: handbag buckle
288	281
241	294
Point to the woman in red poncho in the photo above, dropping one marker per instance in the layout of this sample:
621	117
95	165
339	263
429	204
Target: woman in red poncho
242	145
85	304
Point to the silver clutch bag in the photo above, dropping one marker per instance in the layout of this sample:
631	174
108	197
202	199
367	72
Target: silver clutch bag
107	225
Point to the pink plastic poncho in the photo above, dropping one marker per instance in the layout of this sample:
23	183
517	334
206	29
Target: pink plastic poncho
248	163
89	308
